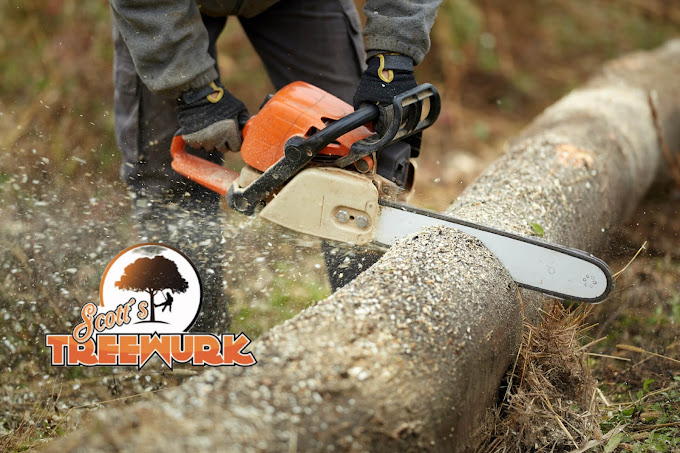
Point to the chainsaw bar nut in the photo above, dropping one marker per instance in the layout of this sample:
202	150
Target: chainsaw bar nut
342	216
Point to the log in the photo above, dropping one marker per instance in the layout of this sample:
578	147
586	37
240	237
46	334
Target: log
409	356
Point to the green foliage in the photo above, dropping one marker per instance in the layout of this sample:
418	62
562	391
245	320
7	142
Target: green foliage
482	131
286	298
613	443
56	93
652	423
581	27
74	372
465	20
665	315
45	44
537	229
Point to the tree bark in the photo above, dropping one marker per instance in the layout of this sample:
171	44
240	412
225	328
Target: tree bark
410	355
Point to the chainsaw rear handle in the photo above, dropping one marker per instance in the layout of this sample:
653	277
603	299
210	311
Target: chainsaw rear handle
208	174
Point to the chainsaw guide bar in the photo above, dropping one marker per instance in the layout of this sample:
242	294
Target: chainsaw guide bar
552	269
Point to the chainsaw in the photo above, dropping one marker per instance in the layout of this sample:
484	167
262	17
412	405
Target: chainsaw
316	166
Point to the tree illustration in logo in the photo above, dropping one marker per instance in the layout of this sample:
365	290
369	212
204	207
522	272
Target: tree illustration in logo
152	275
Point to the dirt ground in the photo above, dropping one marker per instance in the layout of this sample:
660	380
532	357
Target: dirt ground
64	213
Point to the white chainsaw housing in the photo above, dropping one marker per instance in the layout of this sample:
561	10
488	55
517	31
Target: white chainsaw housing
327	202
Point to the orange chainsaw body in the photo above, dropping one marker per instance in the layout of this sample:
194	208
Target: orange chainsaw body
303	128
297	109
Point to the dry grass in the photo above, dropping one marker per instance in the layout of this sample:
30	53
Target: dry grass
549	404
552	401
40	422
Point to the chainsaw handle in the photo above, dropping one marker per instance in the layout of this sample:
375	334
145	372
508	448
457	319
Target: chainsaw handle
311	146
402	119
208	174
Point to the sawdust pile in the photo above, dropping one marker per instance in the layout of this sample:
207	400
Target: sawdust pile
549	404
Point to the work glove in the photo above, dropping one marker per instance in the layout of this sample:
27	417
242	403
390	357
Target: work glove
210	118
386	76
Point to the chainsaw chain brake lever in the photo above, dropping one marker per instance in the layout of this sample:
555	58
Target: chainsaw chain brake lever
403	118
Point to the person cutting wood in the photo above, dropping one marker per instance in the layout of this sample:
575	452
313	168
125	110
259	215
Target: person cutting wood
167	79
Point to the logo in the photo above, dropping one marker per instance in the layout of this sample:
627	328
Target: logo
149	297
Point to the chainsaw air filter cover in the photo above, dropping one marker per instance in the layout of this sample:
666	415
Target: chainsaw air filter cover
297	109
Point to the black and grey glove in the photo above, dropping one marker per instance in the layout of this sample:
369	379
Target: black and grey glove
386	76
209	118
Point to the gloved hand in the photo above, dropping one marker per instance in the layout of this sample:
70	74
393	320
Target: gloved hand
386	76
209	118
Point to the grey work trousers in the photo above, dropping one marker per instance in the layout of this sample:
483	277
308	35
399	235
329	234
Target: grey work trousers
317	41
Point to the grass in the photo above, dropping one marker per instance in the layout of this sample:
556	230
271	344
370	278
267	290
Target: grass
627	347
38	425
649	422
289	293
641	377
546	406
